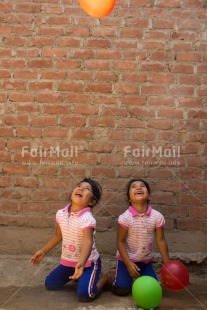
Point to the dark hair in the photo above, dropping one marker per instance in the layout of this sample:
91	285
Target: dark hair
96	189
133	180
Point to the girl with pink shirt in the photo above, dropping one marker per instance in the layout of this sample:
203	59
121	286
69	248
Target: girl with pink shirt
75	228
137	227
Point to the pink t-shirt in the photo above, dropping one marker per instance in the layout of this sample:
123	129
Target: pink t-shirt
72	235
141	228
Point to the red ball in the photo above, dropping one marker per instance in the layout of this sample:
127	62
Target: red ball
97	8
174	275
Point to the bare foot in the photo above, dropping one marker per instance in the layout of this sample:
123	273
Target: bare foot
110	280
102	280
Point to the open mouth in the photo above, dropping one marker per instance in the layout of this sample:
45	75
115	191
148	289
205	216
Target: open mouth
138	193
79	195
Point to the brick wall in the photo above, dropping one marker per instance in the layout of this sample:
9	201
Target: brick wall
109	98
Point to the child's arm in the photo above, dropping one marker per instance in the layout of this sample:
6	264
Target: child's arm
52	242
162	244
85	253
121	238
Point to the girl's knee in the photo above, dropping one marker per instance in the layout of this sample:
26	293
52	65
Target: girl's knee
121	291
51	286
84	296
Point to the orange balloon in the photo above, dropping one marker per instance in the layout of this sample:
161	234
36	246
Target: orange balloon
97	8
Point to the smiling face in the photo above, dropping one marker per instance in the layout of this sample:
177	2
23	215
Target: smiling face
82	195
138	192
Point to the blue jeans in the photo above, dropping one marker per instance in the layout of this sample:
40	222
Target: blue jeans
123	280
87	283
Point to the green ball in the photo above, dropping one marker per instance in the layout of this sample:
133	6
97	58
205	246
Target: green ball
147	292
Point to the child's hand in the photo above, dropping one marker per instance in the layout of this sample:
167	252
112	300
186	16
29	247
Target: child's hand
133	270
78	272
37	257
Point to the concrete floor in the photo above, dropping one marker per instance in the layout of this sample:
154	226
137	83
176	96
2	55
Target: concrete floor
22	288
194	297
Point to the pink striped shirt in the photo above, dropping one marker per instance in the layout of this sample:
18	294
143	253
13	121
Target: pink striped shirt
72	235
141	228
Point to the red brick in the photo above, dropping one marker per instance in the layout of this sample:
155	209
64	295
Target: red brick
21	97
54	183
170	112
184	35
85	109
29	182
29	132
181	68
78	98
181	90
54	9
14	169
81	133
189	79
49	98
53	31
16	120
3	98
68	41
164	198
202	68
6	132
14	41
101	43
102	122
58	20
153	46
162	24
190	173
71	87
202	91
12	220
108	111
54	52
198	213
165	101
99	88
126	88
14	144
188	57
5	74
97	65
161	78
25	74
41	41
28	8
5	29
190	224
131	123
12	63
171	4
153	90
190	102
30	52
44	121
7	85
40	221
131	33
28	108
117	135
160	124
57	132
40	86
5	181
70	121
57	109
